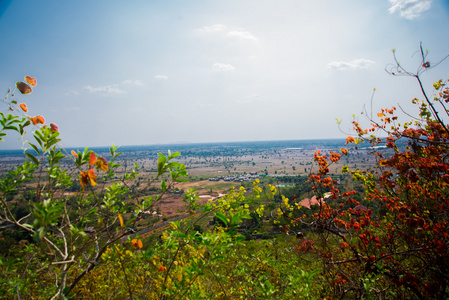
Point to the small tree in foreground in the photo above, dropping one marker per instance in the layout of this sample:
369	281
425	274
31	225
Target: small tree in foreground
70	232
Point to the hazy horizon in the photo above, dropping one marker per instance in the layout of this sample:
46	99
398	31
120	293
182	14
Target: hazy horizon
193	144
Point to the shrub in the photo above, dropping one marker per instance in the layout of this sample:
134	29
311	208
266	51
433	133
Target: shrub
401	251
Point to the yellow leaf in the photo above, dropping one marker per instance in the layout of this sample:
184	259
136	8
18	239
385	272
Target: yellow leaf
121	220
101	163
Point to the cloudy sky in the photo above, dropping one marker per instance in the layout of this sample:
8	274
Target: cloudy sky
152	72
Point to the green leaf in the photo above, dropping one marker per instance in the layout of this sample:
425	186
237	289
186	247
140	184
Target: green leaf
34	147
173	155
161	164
235	219
313	273
10	127
32	157
163	185
222	218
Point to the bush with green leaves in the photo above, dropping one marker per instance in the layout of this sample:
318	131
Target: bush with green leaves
79	242
70	231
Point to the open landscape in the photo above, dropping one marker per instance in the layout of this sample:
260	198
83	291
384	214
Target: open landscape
224	150
247	219
214	168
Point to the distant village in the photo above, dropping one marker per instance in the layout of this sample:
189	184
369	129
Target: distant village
248	177
237	178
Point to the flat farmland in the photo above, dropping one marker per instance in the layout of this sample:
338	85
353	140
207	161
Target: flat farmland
213	168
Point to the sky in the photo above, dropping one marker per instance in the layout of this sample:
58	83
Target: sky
162	72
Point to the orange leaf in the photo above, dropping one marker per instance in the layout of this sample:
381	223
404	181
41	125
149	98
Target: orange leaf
34	120
74	153
23	87
120	218
92	160
23	106
31	80
40	119
137	243
162	268
92	177
349	140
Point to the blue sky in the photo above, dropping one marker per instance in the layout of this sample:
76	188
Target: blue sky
152	72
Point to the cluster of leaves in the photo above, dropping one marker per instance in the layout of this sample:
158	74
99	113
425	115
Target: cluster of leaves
401	251
72	230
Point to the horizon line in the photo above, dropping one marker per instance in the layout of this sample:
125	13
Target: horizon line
183	143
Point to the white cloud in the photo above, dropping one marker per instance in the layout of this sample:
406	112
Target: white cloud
242	35
355	64
212	29
135	82
107	90
161	77
409	9
217	67
114	89
221	31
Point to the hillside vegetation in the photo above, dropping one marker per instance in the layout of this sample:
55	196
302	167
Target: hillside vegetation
384	236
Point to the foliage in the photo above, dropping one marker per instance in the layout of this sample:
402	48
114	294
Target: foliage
70	230
78	240
402	250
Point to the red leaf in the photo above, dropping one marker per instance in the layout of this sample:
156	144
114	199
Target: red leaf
54	127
